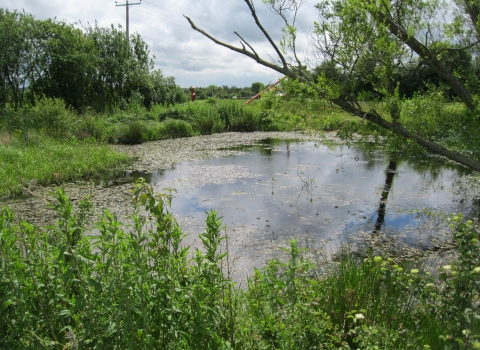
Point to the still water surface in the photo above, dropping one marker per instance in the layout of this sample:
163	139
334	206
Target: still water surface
276	190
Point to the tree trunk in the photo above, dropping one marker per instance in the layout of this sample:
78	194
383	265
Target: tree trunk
373	117
431	60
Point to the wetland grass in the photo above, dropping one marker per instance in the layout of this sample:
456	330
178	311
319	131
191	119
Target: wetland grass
46	161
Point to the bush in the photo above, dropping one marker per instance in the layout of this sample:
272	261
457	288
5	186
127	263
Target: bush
177	128
460	306
61	288
52	116
132	133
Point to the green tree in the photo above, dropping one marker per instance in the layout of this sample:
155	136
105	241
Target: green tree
113	56
68	65
257	87
95	67
123	65
163	90
20	53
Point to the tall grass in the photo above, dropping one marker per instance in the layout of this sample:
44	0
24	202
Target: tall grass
137	286
136	124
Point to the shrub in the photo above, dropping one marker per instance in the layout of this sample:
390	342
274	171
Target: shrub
61	288
178	128
460	297
52	116
133	133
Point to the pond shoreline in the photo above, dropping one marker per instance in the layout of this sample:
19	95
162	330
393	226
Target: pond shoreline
164	154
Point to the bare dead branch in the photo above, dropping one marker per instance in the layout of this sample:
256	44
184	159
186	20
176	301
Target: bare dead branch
259	25
353	107
283	70
246	42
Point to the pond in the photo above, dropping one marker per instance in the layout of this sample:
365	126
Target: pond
327	195
322	195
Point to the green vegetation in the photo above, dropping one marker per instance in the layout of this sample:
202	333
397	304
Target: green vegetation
66	93
136	286
50	119
227	92
43	161
136	124
88	68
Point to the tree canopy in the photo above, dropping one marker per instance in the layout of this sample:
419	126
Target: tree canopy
92	66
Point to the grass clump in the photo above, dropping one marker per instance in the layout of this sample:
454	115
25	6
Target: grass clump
136	286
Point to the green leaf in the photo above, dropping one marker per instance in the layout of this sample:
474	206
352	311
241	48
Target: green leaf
95	284
143	199
64	313
61	253
67	275
79	303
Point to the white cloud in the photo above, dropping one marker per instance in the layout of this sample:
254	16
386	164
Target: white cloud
179	50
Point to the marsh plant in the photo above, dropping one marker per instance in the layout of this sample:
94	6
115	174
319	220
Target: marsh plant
136	286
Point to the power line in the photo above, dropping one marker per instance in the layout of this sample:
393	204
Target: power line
127	7
158	14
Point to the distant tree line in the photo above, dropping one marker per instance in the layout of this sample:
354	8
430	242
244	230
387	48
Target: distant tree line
226	92
88	67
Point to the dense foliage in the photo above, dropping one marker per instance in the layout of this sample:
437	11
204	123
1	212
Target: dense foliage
367	56
93	67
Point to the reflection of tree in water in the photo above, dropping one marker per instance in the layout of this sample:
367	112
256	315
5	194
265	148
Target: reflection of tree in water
423	164
476	208
392	167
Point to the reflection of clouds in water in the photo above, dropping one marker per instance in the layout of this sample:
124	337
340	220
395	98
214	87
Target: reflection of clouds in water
264	211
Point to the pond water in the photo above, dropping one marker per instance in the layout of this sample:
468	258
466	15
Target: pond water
269	190
276	190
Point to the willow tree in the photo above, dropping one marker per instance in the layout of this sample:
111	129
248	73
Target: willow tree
385	34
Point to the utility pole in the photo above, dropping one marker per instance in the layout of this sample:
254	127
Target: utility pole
127	6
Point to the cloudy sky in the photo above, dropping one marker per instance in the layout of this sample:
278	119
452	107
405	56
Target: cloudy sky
179	50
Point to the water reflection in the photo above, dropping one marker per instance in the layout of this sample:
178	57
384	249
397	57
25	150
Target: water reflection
390	174
281	189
